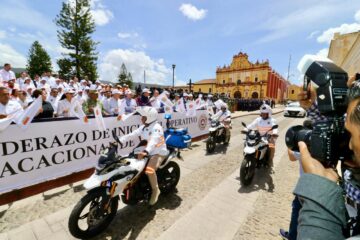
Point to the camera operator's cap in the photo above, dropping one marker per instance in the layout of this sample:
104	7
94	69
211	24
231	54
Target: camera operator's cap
146	90
115	91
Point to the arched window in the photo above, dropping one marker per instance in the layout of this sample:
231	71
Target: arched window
223	81
238	82
256	79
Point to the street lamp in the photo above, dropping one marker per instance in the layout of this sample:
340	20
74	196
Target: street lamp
173	67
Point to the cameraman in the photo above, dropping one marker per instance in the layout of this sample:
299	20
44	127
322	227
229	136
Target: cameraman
324	214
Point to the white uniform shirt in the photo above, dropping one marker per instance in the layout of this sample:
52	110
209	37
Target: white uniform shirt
221	116
127	105
105	102
64	105
154	135
263	125
10	108
7	75
23	104
54	102
114	106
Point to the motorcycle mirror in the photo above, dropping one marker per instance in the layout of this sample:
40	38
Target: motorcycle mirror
274	127
243	124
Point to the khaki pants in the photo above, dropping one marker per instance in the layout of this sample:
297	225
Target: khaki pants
150	171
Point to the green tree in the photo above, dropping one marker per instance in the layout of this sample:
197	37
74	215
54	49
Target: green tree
75	28
38	60
125	77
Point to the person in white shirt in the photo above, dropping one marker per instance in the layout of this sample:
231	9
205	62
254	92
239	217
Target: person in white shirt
224	116
128	104
6	73
22	99
7	107
44	85
27	83
80	97
64	105
105	100
29	92
114	102
53	98
263	124
21	80
156	103
156	149
50	79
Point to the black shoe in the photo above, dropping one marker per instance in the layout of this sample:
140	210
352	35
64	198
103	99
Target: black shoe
284	234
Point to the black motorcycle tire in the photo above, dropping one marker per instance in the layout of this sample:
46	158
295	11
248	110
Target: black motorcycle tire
210	144
169	180
73	225
247	170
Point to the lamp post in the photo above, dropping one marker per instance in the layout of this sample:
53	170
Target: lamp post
173	67
190	85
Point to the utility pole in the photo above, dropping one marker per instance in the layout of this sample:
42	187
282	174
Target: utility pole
288	73
190	85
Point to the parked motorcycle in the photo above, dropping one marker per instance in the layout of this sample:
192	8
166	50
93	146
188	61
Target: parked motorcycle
256	153
217	134
118	176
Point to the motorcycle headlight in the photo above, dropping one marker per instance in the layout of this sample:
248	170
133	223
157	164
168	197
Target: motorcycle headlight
213	124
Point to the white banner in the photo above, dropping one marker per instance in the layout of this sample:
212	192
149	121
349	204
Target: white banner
53	149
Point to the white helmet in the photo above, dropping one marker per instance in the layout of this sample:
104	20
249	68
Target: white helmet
265	109
150	113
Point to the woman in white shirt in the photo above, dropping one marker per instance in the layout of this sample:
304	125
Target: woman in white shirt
65	104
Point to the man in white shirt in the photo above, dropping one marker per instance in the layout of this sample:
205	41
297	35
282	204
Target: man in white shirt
6	73
7	107
105	100
44	85
21	80
114	103
53	98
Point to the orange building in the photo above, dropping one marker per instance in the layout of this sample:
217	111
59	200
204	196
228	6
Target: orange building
244	79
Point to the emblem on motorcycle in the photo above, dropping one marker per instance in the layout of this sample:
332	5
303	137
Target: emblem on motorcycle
202	122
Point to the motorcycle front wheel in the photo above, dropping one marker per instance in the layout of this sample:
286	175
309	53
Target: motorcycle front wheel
210	144
89	218
247	170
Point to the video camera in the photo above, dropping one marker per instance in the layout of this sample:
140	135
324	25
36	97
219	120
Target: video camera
328	140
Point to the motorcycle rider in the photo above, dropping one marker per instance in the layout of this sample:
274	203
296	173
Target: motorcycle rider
156	149
224	116
263	124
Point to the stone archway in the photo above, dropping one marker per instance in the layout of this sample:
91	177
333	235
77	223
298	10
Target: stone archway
237	94
255	95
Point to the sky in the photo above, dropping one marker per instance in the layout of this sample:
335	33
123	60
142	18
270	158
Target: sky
195	35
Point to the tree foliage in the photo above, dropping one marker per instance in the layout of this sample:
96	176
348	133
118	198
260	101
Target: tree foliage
38	60
125	77
75	28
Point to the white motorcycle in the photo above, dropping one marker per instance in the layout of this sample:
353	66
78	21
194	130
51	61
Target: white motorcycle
217	134
256	153
123	176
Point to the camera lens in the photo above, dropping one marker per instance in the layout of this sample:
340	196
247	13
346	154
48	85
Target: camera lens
296	134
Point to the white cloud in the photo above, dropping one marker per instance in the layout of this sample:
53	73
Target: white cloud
313	34
192	12
124	35
328	34
10	55
136	62
323	52
2	34
101	14
357	16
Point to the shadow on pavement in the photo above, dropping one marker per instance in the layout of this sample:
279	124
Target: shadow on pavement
219	149
130	220
262	180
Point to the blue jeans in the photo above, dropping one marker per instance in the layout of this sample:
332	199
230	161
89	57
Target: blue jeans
296	206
